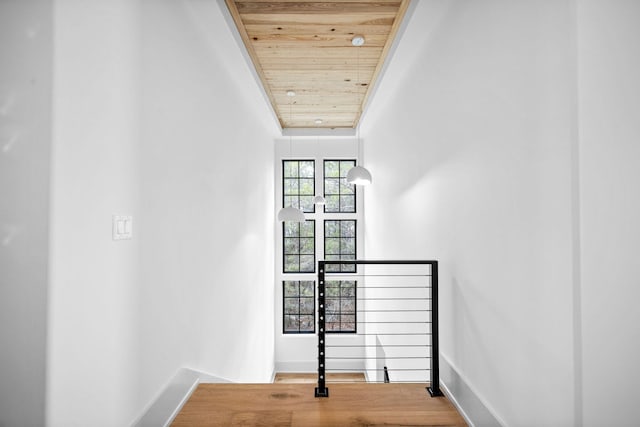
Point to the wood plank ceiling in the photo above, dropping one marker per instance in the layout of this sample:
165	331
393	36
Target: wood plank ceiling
305	47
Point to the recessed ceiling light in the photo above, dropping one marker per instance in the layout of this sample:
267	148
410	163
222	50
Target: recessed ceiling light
318	121
357	40
291	93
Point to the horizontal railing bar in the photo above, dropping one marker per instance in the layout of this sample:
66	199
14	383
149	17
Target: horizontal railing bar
395	333
390	299
392	287
376	358
377	345
373	322
378	262
379	370
380	311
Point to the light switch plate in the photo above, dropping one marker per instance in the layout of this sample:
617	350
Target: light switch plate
122	227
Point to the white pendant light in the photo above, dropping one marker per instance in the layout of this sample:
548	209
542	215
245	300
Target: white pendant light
291	214
319	200
358	175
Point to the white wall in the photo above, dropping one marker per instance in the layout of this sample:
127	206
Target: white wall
609	105
25	139
207	200
154	117
93	319
470	146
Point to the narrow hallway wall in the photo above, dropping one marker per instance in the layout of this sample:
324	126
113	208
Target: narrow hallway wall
470	147
25	151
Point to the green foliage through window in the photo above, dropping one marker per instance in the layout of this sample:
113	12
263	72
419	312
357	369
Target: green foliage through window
299	246
341	308
340	244
298	184
299	306
338	193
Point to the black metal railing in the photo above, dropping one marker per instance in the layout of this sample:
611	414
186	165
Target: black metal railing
390	331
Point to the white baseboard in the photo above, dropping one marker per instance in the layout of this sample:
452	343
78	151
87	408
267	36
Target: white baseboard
166	406
475	411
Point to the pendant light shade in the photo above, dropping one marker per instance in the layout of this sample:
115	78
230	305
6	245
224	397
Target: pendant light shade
319	200
359	176
291	214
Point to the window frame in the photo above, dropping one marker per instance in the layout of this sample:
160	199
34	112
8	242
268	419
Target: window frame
284	305
340	297
339	194
298	178
299	254
340	239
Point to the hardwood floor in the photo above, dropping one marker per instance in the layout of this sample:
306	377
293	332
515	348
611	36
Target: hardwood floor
284	405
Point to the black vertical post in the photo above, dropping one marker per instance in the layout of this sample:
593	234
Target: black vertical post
321	390
434	387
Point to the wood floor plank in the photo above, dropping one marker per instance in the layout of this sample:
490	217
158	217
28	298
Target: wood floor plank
287	405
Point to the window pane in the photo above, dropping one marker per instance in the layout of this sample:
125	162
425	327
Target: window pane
307	169
291	245
346	188
291	263
291	324
345	166
306	187
291	186
291	305
307	246
347	228
332	228
332	204
291	229
290	289
331	168
348	246
306	204
307	263
290	168
307	324
307	288
347	204
308	229
307	306
331	186
331	246
290	201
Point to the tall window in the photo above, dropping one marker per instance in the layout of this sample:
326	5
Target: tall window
333	230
